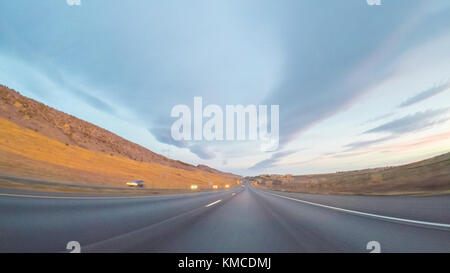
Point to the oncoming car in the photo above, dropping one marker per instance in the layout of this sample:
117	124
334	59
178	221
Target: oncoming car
136	183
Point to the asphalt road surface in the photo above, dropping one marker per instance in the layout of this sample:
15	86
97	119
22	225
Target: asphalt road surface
235	220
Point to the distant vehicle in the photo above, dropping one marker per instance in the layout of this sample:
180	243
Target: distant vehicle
215	187
227	186
136	183
194	187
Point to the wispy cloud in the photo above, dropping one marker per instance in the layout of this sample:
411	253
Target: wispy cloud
349	74
380	117
414	122
163	135
202	151
366	143
93	101
398	127
426	94
417	143
271	162
396	147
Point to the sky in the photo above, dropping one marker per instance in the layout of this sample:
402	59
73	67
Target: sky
358	86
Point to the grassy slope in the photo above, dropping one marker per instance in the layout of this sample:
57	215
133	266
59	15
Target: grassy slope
430	176
26	153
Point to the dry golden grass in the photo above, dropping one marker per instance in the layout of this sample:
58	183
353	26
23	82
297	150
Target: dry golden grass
26	153
430	176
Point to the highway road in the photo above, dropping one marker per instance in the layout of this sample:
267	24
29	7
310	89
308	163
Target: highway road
235	220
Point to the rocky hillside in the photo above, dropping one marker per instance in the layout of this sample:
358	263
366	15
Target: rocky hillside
42	120
68	129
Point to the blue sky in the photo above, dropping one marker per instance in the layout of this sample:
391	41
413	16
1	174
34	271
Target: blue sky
358	86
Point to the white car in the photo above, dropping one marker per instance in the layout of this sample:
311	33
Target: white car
136	183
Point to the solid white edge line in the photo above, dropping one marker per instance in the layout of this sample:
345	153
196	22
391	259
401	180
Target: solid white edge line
366	214
144	196
213	203
78	197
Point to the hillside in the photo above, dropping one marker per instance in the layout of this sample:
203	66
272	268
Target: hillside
37	141
430	176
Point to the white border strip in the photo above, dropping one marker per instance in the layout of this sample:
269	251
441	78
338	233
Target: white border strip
367	214
77	197
213	203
